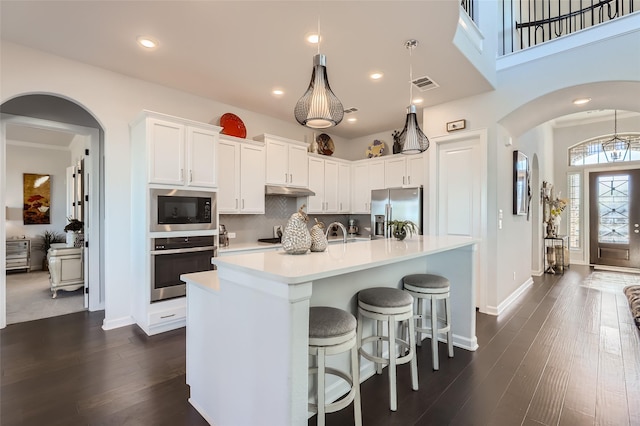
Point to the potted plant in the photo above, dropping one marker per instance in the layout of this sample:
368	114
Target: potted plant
400	228
74	232
49	237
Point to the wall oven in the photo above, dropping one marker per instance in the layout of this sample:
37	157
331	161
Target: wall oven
174	256
182	210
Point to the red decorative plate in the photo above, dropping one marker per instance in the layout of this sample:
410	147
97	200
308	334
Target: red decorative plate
232	125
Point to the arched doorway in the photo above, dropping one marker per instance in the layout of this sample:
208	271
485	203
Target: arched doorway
51	113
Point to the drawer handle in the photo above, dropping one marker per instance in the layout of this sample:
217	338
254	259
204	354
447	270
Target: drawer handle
167	316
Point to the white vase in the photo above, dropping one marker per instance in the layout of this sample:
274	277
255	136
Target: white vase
75	239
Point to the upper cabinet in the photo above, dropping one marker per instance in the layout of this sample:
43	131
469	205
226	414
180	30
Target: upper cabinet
287	162
367	175
241	165
404	171
325	181
179	152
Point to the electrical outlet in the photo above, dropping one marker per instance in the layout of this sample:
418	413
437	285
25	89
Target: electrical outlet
514	276
277	229
231	235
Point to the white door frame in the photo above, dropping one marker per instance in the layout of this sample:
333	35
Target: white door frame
92	166
474	138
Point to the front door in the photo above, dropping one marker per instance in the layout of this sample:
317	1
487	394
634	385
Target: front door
614	218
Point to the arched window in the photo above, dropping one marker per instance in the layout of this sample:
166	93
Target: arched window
615	148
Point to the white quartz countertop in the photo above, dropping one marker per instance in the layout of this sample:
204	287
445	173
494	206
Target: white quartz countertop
338	258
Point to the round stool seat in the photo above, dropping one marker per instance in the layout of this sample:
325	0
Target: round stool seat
384	297
327	322
426	283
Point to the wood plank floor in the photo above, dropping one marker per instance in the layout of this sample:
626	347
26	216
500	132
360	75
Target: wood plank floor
567	353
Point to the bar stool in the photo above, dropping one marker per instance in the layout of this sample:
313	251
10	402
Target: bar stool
431	287
393	306
333	331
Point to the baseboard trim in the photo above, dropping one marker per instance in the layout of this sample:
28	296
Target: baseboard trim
615	269
117	323
493	310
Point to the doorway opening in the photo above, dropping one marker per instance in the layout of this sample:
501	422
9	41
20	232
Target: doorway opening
56	137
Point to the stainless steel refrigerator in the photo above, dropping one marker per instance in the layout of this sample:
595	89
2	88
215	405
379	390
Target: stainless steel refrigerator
394	204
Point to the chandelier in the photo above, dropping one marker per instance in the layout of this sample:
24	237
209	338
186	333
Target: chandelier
616	148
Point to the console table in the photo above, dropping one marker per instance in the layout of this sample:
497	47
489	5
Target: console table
65	267
556	254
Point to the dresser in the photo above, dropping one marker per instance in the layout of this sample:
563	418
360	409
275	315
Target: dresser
66	268
18	255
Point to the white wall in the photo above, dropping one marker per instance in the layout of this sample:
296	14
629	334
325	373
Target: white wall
24	159
115	100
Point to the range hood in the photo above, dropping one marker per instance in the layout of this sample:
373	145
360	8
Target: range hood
287	191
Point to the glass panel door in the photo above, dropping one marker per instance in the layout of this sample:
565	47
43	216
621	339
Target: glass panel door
614	218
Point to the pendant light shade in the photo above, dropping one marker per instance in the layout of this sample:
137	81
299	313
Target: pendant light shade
411	138
319	107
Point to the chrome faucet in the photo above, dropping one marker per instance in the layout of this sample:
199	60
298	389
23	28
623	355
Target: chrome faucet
344	231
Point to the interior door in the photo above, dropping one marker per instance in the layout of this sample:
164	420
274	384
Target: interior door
614	218
83	215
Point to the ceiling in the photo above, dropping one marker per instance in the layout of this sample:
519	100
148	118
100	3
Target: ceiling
237	52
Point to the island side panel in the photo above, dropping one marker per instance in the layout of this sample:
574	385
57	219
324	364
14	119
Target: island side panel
255	368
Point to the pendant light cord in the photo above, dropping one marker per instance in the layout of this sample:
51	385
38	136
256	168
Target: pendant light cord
410	47
318	35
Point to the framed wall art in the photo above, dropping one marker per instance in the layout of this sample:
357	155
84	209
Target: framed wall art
36	190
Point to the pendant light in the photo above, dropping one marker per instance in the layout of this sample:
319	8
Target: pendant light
319	107
616	148
411	138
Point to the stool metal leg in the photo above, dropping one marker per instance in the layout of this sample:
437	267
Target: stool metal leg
434	333
421	317
449	332
393	400
321	386
355	374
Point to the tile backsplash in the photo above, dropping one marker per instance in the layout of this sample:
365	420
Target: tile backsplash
278	209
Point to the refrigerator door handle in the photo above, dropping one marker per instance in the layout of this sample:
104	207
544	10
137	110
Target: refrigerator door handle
387	231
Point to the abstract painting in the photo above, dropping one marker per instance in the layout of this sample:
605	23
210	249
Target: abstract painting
37	199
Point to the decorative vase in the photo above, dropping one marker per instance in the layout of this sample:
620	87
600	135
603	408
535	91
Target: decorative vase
551	229
74	239
295	237
400	234
318	239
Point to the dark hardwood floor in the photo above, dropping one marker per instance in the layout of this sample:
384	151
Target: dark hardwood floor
566	353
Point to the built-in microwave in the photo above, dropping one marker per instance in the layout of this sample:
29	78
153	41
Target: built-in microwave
182	210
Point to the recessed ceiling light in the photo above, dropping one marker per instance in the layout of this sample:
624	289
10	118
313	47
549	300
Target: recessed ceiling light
277	92
581	101
376	75
147	42
312	38
418	100
352	119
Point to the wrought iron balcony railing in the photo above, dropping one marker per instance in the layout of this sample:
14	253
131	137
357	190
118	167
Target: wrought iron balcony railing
528	23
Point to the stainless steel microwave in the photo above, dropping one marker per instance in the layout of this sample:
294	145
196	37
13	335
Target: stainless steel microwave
182	210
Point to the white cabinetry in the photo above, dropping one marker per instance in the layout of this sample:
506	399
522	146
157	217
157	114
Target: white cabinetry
323	180
367	175
404	171
241	165
286	161
166	153
180	153
344	188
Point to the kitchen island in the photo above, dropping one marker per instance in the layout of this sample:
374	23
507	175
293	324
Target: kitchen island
247	322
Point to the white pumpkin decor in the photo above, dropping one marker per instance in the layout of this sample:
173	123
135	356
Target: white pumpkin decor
318	239
295	237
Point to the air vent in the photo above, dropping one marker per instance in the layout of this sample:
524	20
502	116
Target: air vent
350	110
424	83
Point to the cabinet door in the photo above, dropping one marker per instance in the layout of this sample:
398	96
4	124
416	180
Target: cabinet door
315	203
394	172
344	188
201	158
298	166
376	175
229	169
166	152
415	170
252	178
277	160
330	186
361	189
